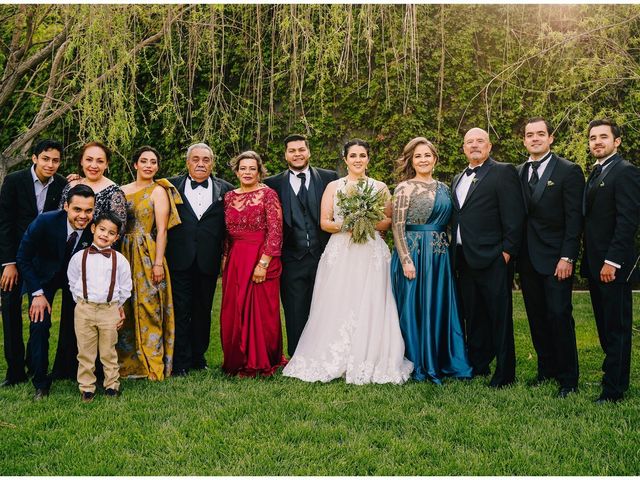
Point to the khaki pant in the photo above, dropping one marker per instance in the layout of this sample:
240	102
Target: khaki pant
96	329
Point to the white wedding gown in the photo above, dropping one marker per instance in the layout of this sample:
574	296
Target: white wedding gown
353	329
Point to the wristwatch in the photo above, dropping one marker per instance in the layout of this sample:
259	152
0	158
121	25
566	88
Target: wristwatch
263	263
567	259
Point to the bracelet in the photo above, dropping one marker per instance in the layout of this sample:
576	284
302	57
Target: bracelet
263	263
155	265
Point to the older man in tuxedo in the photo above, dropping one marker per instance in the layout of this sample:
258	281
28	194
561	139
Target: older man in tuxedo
300	189
552	187
611	207
25	194
43	257
194	254
487	221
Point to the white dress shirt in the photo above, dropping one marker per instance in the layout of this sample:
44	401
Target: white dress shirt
40	189
542	166
199	198
99	278
296	182
462	189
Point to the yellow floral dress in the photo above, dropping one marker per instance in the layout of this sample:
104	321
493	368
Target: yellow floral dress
146	340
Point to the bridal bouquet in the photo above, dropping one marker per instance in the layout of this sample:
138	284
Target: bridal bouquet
362	206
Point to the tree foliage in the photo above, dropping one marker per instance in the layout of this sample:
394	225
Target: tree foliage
243	76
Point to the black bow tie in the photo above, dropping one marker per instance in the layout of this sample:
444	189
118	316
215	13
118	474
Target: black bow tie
105	252
470	170
203	184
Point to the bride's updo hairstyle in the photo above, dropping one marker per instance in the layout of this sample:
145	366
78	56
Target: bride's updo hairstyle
404	164
235	162
353	143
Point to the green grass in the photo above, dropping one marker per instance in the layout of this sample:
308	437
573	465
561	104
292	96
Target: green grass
207	424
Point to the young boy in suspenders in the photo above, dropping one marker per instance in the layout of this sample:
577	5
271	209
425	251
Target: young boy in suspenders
100	282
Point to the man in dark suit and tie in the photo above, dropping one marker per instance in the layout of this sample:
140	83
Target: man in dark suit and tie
43	257
194	254
487	222
552	187
611	207
25	194
300	189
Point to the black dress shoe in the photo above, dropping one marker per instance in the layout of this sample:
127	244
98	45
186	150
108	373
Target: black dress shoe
564	392
200	367
179	373
112	392
41	393
604	399
87	397
536	382
12	383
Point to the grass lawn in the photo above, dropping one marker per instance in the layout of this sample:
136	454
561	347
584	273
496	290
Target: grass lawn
207	424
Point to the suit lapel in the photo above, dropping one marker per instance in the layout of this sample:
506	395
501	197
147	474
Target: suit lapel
317	183
542	184
285	197
591	189
454	194
85	240
61	232
215	196
30	189
479	177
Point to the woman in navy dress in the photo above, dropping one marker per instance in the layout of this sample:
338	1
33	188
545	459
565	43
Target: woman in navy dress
422	281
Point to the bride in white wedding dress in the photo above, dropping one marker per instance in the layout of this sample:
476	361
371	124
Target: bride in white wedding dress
353	330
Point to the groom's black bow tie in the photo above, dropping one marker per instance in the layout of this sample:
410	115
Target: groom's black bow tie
195	184
470	170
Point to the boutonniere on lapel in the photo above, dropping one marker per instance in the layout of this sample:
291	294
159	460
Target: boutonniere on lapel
85	244
474	180
550	183
601	184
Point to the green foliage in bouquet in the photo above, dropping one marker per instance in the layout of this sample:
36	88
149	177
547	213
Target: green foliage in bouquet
362	206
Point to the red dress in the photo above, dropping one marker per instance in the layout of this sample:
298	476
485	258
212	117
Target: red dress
250	328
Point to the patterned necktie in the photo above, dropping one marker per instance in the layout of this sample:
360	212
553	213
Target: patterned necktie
302	193
534	179
71	243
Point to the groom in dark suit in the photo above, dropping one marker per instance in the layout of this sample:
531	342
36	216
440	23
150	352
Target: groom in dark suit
43	256
552	189
194	254
25	194
487	221
611	206
300	189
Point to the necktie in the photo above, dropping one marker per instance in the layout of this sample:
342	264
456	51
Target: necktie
534	179
597	170
302	193
105	253
71	243
470	171
204	184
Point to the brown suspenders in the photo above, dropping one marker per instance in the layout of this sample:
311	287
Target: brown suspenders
84	274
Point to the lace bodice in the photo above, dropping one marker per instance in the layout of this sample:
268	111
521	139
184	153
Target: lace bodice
108	199
255	211
413	203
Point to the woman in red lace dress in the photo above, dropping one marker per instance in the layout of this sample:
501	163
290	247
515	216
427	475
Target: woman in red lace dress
250	328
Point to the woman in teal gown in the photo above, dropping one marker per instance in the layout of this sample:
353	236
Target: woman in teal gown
423	284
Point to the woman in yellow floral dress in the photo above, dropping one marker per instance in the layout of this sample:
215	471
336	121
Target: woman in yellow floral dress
146	340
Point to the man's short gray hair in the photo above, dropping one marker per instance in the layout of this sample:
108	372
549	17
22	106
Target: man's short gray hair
199	145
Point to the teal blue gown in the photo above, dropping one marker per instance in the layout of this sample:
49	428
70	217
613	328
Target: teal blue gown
427	305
